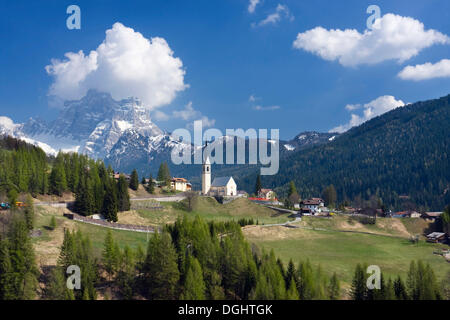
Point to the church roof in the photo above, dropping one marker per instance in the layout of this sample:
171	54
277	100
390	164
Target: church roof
221	181
207	161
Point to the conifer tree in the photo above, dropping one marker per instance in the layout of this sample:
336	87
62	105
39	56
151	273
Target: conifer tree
109	255
164	174
400	289
58	182
358	289
151	185
22	257
134	180
292	293
160	268
334	288
110	207
6	284
29	212
258	185
194	285
123	197
56	289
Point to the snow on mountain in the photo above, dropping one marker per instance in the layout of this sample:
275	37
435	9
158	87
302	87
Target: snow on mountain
94	125
289	147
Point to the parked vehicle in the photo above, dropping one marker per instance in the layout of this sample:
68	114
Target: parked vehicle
5	206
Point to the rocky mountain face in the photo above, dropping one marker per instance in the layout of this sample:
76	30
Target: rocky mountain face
120	132
123	135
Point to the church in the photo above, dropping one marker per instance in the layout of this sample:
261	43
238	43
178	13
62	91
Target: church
221	186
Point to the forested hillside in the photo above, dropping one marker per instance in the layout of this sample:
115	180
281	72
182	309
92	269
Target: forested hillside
25	168
403	152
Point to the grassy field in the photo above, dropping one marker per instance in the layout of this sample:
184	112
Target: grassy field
339	252
207	208
48	244
387	244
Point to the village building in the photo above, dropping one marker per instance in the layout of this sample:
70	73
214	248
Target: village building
436	237
117	175
266	194
406	214
242	193
221	186
314	204
180	184
431	215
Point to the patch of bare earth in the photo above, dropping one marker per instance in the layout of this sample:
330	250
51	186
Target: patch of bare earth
393	225
277	233
132	217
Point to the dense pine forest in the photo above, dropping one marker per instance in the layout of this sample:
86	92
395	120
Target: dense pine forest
189	260
404	152
25	168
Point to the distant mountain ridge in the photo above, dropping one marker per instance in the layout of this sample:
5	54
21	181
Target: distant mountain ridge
121	133
402	152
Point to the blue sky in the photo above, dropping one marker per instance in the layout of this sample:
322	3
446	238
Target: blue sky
227	56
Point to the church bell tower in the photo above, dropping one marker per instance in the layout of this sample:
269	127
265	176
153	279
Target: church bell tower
206	176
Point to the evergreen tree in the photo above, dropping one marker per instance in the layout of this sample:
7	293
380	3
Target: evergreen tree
358	289
134	180
56	289
334	288
6	281
390	291
29	212
292	189
194	285
110	203
161	272
109	256
52	223
151	185
400	289
127	273
123	197
23	265
330	196
292	293
258	185
58	182
164	174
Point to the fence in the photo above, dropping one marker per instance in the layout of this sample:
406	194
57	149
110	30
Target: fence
112	225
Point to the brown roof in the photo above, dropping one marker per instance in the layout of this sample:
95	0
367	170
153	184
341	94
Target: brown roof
312	201
179	180
433	214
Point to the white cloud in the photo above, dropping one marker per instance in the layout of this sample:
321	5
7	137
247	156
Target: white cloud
187	113
393	38
268	108
253	98
124	64
281	11
370	110
426	71
206	122
252	5
160	116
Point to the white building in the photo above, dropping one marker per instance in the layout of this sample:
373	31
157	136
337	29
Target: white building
206	176
221	186
314	204
180	184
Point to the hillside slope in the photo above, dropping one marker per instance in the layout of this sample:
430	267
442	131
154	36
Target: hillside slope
403	152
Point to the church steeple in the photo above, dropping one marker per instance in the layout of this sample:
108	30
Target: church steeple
206	176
